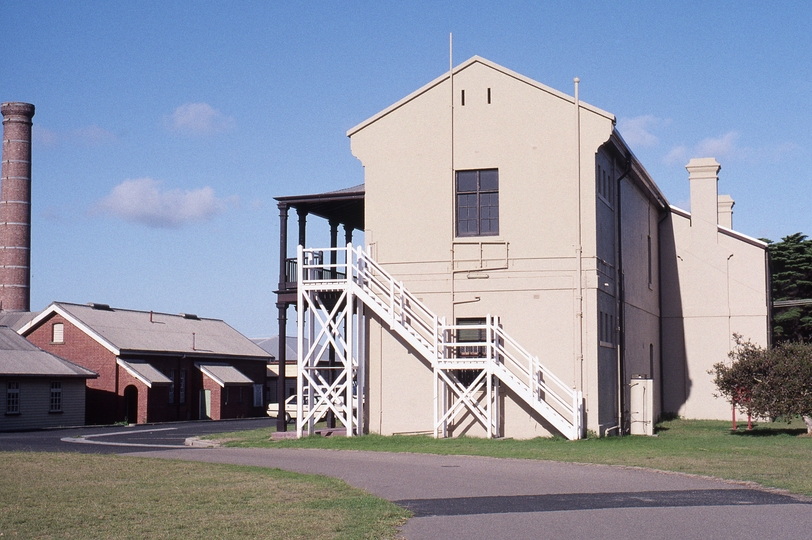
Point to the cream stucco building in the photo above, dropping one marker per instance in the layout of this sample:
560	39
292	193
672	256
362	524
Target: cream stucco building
489	194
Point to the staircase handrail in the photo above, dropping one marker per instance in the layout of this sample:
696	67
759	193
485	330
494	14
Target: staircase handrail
404	306
413	320
533	369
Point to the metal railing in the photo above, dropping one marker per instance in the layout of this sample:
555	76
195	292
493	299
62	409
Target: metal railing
437	341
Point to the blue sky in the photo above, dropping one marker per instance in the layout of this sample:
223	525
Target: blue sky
164	129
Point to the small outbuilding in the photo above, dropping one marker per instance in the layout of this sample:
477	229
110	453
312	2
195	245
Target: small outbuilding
38	389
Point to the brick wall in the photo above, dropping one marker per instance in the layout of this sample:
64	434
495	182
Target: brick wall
102	406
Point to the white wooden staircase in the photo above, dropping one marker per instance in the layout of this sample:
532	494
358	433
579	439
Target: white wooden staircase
329	296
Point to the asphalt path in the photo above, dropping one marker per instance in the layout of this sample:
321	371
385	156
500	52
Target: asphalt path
473	497
121	439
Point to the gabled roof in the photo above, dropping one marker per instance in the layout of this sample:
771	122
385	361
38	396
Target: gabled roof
19	357
468	63
222	374
145	332
724	230
144	372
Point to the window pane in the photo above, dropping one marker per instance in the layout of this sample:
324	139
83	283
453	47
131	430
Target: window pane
489	214
466	214
466	181
489	180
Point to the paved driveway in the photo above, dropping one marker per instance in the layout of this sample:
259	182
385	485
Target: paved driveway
470	497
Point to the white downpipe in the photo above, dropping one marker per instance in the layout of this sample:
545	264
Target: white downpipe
579	298
299	343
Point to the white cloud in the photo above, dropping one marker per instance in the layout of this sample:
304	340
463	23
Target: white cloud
91	135
637	131
142	200
44	136
676	156
721	148
198	119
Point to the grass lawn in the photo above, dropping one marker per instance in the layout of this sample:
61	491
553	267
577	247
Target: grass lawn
772	454
107	496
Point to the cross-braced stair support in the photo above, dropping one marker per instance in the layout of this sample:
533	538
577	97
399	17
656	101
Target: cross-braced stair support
359	280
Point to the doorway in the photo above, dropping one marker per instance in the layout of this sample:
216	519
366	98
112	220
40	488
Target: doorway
205	404
131	405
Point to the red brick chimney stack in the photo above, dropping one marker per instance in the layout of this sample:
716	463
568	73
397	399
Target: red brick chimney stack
15	208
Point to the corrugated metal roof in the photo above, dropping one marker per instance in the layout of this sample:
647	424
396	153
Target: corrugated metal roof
144	331
19	357
144	371
222	374
16	319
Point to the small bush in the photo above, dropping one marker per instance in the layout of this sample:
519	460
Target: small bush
772	383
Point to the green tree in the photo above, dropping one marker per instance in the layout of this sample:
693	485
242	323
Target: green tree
774	383
791	278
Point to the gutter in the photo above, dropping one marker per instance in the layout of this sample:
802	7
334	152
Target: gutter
620	287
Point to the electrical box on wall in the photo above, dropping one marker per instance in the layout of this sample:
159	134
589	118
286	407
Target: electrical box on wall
641	405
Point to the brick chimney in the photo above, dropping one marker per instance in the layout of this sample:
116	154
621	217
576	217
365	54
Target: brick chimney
15	208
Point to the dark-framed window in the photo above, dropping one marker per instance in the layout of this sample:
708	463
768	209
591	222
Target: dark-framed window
13	398
56	397
172	387
470	335
477	202
182	397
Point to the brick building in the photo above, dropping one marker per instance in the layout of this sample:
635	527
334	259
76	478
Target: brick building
155	367
38	389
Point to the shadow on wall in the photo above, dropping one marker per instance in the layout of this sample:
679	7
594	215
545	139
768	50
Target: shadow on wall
100	407
675	378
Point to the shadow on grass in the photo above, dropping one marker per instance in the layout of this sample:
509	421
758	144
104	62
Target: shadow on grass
771	432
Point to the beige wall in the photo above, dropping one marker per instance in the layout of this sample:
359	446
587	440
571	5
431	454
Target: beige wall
714	285
528	274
